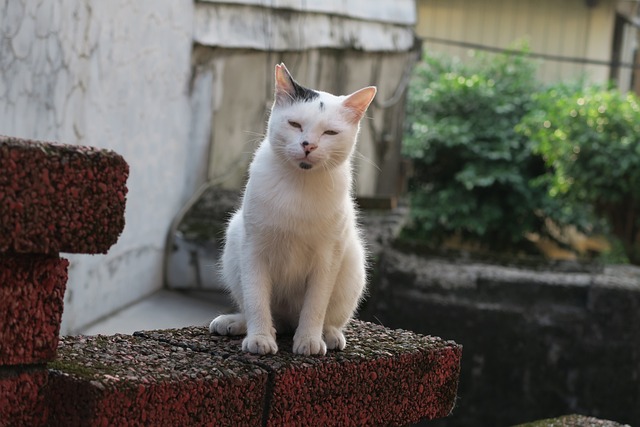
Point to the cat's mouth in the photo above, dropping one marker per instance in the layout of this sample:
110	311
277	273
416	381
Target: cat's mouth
305	165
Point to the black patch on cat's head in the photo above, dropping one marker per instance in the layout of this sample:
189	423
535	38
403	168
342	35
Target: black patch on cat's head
321	106
302	94
288	90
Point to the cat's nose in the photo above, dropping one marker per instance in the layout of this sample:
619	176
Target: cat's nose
308	147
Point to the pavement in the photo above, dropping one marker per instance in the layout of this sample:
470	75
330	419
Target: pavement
163	310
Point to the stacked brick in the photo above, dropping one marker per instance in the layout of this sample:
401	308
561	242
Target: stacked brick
53	198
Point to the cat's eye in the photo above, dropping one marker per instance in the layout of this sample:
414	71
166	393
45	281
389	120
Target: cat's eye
330	132
295	124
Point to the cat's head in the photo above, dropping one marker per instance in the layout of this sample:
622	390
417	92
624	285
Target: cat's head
314	130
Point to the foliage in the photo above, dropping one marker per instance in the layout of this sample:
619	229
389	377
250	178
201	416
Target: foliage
590	139
472	169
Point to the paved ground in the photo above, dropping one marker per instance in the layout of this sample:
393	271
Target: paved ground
164	309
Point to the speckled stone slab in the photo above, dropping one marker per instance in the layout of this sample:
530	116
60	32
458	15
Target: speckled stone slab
60	198
31	301
383	377
573	421
126	380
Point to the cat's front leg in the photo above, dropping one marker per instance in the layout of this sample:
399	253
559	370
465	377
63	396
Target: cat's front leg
334	338
256	289
308	337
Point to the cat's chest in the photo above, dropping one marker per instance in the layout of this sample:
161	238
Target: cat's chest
290	257
295	208
287	234
286	228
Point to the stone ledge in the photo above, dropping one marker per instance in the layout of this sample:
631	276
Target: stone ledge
126	380
573	421
189	377
60	198
31	301
518	325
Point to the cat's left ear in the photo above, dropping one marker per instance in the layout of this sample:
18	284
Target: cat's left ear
357	103
285	85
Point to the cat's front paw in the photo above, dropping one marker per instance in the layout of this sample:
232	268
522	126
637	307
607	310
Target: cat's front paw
260	344
228	324
334	338
307	345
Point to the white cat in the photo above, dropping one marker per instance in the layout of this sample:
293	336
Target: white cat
293	255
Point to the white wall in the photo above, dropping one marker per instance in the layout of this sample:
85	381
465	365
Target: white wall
112	74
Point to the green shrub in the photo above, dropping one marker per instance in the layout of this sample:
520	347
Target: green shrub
590	139
472	170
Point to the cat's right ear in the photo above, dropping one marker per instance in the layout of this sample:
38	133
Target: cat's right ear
357	103
285	88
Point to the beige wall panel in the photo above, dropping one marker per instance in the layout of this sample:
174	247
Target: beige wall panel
600	40
353	73
563	28
239	114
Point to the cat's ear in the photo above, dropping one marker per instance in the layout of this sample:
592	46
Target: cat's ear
285	85
357	103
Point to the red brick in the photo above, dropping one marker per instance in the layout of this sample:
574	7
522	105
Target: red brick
189	377
132	381
60	198
21	397
31	302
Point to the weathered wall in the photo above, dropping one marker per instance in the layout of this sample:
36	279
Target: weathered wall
112	74
333	46
243	92
538	341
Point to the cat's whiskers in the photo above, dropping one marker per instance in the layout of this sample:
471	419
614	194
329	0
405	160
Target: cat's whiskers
255	136
281	154
358	155
251	143
325	166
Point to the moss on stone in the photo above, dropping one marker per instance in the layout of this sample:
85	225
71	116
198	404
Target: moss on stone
77	369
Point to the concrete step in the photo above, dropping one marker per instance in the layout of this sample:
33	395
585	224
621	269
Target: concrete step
163	309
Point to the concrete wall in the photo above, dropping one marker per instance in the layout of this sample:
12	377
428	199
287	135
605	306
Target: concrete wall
567	28
539	340
112	74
